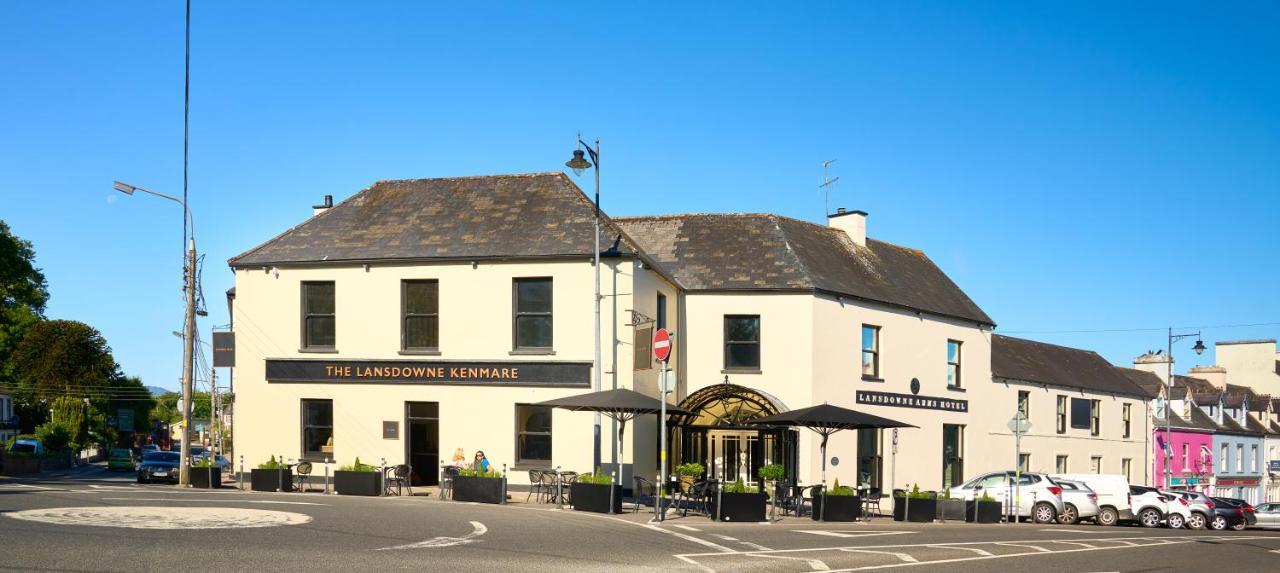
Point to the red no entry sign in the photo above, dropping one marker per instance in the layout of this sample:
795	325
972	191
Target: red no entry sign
661	344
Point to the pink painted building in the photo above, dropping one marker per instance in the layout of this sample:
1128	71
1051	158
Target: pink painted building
1191	446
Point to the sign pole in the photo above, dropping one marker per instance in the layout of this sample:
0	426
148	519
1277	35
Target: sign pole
662	351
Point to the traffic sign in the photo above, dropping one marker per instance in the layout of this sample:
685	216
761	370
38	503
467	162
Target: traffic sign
1019	424
661	344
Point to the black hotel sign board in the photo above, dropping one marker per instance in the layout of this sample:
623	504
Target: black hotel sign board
911	401
555	374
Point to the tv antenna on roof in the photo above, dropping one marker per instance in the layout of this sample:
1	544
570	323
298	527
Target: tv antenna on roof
826	185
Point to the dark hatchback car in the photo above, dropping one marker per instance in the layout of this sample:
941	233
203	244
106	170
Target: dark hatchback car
1238	512
159	466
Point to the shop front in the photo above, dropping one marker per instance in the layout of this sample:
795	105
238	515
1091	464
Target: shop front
717	435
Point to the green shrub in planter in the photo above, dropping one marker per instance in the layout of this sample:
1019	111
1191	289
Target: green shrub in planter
479	486
357	479
597	493
739	502
917	506
841	503
205	474
950	508
983	510
271	475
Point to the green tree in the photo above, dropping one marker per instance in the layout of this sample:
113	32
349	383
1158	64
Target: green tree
166	408
23	295
72	415
62	358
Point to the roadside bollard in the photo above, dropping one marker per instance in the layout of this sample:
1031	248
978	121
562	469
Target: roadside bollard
906	503
613	478
719	500
240	477
559	489
280	476
440	480
326	474
504	484
383	471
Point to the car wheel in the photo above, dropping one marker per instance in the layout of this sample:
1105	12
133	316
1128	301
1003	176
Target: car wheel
1176	521
1239	526
1044	513
1196	521
1218	523
1149	517
1069	515
1108	516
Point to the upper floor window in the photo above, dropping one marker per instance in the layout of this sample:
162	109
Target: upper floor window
1095	417
532	314
1062	414
661	311
870	351
742	342
953	363
1081	413
1225	467
1024	403
1126	415
420	305
318	318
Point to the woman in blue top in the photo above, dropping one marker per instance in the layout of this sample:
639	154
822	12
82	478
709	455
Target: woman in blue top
481	463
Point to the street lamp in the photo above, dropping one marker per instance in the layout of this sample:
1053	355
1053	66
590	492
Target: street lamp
188	331
1168	399
579	164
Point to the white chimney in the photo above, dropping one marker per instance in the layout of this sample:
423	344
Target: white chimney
318	209
853	223
1154	363
1216	375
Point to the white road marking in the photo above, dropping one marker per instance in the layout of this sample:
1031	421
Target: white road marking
478	529
724	537
858	534
814	564
1024	545
903	556
687	528
755	546
1078	543
157	517
694	563
211	500
1076	530
973	549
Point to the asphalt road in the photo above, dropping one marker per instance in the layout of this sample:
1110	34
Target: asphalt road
91	520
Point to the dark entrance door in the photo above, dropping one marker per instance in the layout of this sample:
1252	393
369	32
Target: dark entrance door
422	448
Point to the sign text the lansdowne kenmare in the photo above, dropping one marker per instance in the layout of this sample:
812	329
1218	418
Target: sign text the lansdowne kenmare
542	373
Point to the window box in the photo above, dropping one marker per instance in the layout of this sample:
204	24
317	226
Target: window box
739	507
914	510
206	478
951	509
977	511
837	508
350	482
479	489
596	497
271	480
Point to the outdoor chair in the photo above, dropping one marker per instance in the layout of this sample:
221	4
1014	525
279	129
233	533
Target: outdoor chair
871	505
397	480
446	481
302	476
535	486
567	479
806	495
783	497
697	499
547	485
643	492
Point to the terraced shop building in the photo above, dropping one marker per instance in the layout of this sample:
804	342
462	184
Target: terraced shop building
422	316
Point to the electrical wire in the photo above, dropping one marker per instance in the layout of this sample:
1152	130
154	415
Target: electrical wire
1154	329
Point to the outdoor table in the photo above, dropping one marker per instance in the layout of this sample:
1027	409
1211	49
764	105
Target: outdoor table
561	490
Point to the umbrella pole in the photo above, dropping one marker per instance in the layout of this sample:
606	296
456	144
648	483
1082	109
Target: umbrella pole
622	428
822	512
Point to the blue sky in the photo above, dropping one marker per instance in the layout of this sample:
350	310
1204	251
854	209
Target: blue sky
1073	166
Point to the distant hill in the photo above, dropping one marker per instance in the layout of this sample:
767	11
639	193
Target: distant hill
156	390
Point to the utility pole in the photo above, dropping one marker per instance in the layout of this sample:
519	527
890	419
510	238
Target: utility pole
188	358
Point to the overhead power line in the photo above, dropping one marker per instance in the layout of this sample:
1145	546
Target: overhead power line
1152	329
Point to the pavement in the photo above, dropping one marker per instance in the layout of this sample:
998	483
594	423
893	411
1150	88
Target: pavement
89	519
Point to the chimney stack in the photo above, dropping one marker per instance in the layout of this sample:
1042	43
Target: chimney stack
853	223
318	209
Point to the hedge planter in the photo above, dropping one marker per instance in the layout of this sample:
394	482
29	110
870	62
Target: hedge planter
271	480
21	466
983	512
916	510
595	497
951	509
478	489
837	508
357	483
739	507
205	478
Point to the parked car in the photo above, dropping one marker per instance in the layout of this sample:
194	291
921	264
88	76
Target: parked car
146	448
1245	513
1113	495
223	464
1078	502
27	446
1038	497
1151	507
159	466
1268	515
1203	509
120	459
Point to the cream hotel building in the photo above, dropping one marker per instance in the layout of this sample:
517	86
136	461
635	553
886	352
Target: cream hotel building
421	316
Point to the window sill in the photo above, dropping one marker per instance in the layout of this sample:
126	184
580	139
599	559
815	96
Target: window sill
741	371
532	352
318	350
422	352
956	389
866	378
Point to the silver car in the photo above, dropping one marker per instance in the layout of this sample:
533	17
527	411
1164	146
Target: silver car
1268	515
1202	509
1078	502
1034	495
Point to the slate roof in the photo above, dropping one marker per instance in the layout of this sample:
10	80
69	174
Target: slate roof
1198	421
732	252
1234	396
541	215
1148	381
1031	361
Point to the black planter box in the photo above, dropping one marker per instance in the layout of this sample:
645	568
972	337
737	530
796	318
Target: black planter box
357	483
739	507
201	478
921	510
478	489
983	512
837	507
951	509
271	480
595	497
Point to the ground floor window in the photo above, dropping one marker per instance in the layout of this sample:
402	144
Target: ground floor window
1095	464
533	435
317	429
1024	463
952	455
1126	468
1061	465
870	457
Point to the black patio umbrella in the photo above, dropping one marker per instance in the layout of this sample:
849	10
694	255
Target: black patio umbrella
620	405
826	419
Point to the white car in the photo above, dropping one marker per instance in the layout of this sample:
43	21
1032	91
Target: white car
1151	506
1113	495
1079	502
1034	495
